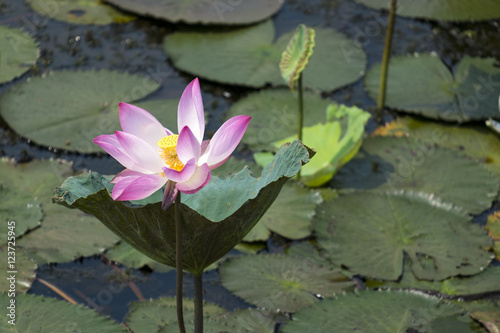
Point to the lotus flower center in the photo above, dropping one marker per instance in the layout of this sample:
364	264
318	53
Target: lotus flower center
168	152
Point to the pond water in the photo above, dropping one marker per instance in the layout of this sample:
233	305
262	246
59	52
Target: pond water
136	47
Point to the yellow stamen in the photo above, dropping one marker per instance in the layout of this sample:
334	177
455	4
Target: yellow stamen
168	152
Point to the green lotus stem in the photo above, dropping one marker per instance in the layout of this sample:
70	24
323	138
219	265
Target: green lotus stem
301	113
386	56
178	263
198	303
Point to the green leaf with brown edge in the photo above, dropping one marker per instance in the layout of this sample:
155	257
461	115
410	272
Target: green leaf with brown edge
215	219
296	55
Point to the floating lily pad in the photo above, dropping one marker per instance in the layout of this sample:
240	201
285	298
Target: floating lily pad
409	164
374	311
335	142
39	314
54	240
371	233
475	141
493	227
215	219
160	315
80	12
281	282
23	269
202	11
19	53
252	321
275	116
130	257
67	110
20	210
470	93
443	10
484	282
249	57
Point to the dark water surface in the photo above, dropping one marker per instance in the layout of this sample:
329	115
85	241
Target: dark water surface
136	47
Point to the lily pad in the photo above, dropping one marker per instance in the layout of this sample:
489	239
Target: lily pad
335	142
215	219
80	12
47	315
54	240
475	141
23	270
275	116
443	10
252	321
412	165
19	53
278	282
296	55
493	227
438	239
130	257
482	283
373	311
20	210
160	315
248	57
470	93
67	110
203	12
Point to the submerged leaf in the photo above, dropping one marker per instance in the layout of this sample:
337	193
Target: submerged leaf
296	55
215	219
372	233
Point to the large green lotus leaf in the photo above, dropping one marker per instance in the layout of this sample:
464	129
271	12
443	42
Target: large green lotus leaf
475	141
215	219
80	12
67	109
443	10
484	282
279	282
20	208
54	240
23	270
335	142
493	227
235	165
275	116
375	311
248	57
18	52
39	314
370	233
130	257
296	55
160	315
203	11
470	93
409	164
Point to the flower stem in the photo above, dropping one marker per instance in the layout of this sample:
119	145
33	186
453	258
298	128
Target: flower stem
386	56
178	263
198	303
301	113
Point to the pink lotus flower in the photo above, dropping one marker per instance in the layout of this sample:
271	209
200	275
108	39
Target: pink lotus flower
153	156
